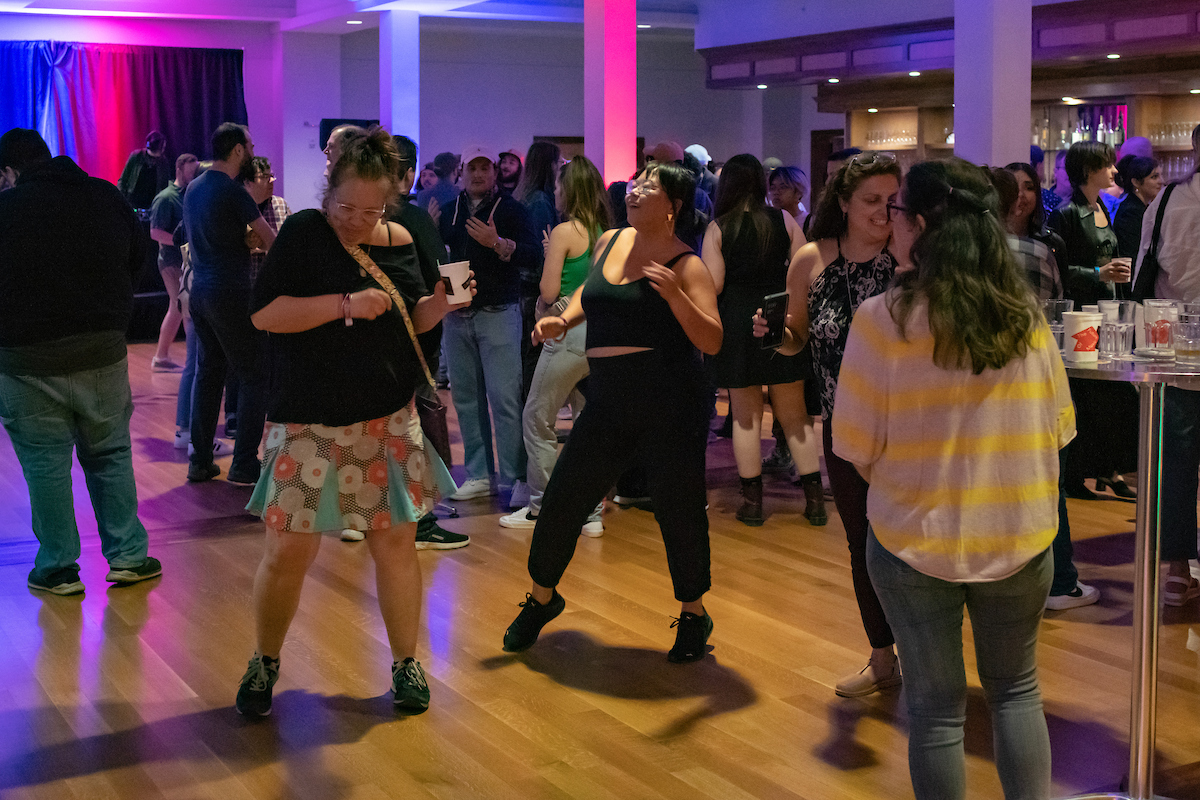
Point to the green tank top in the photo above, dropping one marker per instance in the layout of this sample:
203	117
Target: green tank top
575	271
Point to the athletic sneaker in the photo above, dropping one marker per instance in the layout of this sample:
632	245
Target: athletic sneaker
164	365
1081	595
521	520
410	690
220	447
198	473
691	638
351	535
62	581
431	536
472	488
254	694
244	477
593	529
524	630
183	440
149	568
780	461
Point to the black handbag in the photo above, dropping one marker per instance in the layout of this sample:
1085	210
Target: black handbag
430	408
1147	273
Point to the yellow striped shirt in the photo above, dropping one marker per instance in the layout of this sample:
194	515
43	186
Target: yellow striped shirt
963	468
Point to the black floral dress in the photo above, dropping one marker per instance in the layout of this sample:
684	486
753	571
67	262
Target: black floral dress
832	300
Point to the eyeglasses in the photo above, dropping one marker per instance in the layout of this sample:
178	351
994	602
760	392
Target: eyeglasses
265	176
365	214
867	159
641	188
898	209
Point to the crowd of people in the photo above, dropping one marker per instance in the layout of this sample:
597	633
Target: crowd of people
915	303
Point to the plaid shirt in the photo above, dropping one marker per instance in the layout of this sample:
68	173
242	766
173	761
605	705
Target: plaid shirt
1037	262
275	210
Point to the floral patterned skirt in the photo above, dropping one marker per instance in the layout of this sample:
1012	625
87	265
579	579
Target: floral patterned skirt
366	476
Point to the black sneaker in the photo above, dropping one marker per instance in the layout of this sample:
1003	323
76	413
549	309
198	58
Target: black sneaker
409	687
529	623
150	568
254	695
244	477
691	638
62	581
198	473
431	536
779	462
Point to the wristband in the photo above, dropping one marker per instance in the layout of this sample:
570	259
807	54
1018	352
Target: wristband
346	310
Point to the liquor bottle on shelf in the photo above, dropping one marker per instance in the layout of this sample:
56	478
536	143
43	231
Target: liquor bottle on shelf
1101	131
1063	144
1044	142
1077	134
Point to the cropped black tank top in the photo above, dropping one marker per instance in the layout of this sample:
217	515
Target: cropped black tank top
631	314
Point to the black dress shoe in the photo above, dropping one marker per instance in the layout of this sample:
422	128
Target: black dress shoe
1118	486
1080	492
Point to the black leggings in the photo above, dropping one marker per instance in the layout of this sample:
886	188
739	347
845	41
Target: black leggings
643	408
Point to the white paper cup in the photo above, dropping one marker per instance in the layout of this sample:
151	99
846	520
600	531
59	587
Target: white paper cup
457	279
1081	335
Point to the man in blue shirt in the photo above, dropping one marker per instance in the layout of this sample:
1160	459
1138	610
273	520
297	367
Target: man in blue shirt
216	212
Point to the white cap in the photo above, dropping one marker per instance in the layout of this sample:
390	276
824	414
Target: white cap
699	152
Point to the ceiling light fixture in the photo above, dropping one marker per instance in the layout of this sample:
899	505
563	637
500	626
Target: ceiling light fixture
643	26
914	74
354	22
872	110
1114	56
762	86
1194	91
834	80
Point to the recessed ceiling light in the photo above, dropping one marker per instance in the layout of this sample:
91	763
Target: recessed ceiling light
872	110
762	86
354	22
1114	55
1194	91
914	74
643	26
1072	101
834	80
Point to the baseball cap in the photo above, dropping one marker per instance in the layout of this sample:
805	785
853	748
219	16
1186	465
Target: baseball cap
476	151
666	152
699	152
515	152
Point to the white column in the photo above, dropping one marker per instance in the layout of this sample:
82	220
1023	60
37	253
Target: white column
610	86
993	43
752	123
400	73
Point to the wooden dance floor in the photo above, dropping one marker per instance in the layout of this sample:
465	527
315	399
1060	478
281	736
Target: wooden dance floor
128	693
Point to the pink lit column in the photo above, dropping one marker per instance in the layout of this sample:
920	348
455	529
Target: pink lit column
993	43
400	73
610	86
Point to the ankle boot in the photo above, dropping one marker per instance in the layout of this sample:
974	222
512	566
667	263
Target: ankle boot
814	499
751	512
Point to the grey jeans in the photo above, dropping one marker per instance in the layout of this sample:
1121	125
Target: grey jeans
559	368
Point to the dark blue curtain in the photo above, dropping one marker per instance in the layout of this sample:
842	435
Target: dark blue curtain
97	102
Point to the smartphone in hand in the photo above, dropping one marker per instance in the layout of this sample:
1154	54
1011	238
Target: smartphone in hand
774	311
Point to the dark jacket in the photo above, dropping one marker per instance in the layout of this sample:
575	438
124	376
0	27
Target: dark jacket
1127	224
497	281
430	252
70	247
139	161
1084	250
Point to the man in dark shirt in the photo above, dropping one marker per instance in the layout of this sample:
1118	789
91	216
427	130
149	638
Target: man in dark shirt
65	302
146	172
447	167
165	215
216	212
482	344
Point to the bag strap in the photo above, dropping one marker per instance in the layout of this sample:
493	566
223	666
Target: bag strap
1158	219
1147	274
375	272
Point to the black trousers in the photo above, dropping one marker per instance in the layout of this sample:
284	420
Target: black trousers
643	409
1180	481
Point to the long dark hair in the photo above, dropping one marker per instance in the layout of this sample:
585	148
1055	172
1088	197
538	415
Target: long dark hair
585	199
1037	220
830	220
679	186
743	187
981	311
541	165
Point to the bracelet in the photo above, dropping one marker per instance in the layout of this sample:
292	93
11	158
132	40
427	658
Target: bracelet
346	310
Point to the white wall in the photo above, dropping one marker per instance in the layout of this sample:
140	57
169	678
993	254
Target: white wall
262	67
312	92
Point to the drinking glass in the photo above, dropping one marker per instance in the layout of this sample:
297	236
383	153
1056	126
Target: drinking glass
1054	310
1159	316
1116	330
1185	335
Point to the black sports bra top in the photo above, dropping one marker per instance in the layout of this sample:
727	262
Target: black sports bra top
631	314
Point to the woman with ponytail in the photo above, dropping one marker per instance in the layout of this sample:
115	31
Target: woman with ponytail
953	404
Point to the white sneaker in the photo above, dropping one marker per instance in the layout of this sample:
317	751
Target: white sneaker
519	520
220	447
351	535
472	488
593	529
182	439
1081	595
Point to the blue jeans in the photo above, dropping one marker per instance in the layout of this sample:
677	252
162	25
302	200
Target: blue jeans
87	412
926	616
483	353
183	404
226	338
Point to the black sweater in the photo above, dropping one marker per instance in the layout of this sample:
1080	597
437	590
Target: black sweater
70	247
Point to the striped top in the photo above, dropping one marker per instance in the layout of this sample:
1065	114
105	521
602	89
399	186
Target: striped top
963	468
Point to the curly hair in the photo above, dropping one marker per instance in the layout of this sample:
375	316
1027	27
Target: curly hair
829	220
